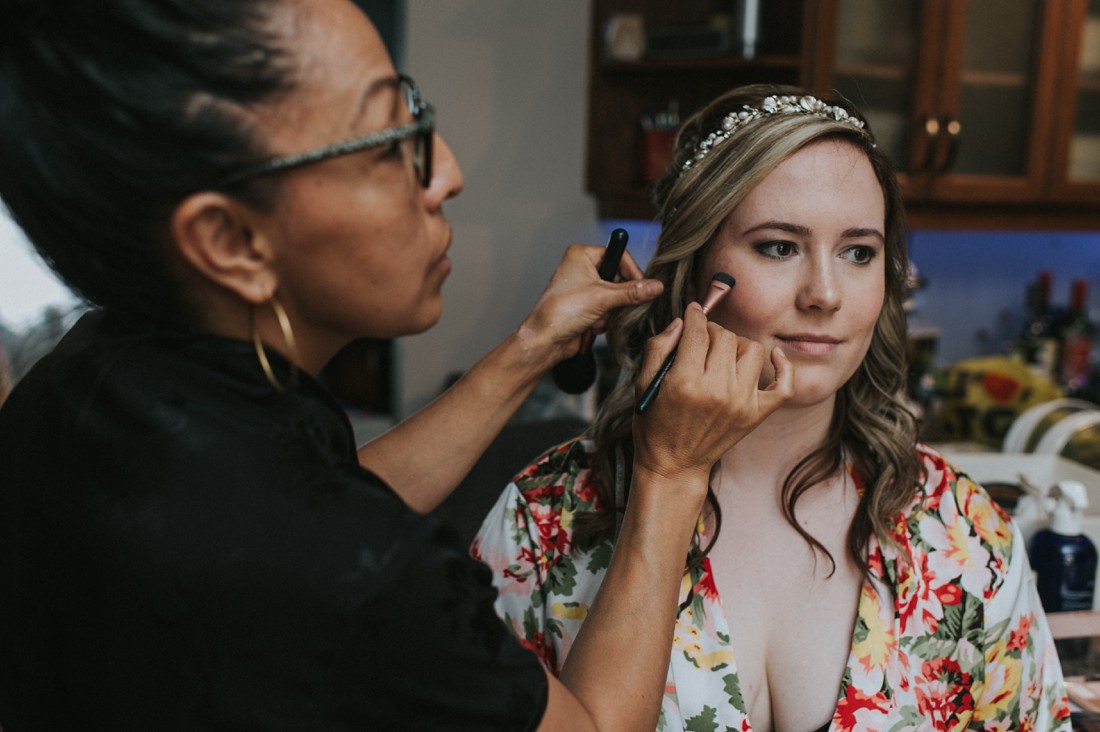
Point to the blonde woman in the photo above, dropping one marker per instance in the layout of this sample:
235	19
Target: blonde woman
843	576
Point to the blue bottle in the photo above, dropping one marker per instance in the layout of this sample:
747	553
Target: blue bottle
1064	561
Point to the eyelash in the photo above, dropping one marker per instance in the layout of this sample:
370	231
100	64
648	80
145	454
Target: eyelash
765	249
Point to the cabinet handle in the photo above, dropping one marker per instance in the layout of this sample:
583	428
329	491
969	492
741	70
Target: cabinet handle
931	134
954	134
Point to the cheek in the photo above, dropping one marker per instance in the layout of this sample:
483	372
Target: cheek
748	309
869	312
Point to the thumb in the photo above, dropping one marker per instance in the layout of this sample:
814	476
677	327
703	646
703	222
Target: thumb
782	388
634	292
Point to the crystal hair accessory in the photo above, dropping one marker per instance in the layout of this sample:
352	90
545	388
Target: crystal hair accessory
771	105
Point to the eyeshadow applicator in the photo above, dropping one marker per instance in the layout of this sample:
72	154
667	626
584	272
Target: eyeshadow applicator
720	285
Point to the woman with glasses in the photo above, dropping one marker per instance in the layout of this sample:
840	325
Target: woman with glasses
189	538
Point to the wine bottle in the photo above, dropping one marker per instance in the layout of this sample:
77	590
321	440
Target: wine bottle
1077	338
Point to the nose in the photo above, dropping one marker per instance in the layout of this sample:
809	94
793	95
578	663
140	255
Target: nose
447	180
820	289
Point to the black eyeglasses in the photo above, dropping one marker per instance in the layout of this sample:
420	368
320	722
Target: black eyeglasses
421	129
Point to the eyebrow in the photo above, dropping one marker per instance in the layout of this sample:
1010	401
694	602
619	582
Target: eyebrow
798	229
369	92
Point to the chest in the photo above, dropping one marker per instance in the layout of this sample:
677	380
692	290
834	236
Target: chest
790	610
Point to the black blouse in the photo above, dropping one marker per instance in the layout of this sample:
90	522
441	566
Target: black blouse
182	548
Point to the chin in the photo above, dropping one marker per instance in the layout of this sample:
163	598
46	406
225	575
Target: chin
428	320
814	393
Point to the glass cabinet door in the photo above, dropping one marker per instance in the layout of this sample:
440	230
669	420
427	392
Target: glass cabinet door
1083	164
877	47
995	89
994	102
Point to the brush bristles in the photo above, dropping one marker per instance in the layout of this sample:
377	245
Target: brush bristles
725	279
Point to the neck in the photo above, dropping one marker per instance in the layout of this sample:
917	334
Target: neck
767	455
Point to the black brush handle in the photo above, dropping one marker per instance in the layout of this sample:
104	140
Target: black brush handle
576	374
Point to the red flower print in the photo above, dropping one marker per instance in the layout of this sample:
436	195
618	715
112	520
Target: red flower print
548	522
585	488
949	594
544	493
1018	640
855	701
943	692
705	586
543	649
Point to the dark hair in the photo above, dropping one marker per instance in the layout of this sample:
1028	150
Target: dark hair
112	112
871	423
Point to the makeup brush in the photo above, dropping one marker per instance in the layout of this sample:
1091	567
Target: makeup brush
720	285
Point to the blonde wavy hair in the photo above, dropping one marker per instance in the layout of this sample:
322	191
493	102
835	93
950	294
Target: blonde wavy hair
871	424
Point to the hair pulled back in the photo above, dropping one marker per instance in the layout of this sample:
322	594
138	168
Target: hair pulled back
113	111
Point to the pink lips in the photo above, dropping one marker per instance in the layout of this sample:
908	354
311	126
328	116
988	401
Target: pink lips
812	345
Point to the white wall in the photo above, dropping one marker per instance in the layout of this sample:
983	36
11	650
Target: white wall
508	80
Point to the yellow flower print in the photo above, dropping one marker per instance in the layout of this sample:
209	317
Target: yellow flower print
577	612
714	659
989	523
879	642
1003	679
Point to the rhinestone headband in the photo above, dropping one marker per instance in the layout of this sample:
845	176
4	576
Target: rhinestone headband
771	105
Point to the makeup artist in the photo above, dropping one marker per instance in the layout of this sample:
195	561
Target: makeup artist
843	576
188	537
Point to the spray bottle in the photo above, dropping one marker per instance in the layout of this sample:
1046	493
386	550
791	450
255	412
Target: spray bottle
1063	557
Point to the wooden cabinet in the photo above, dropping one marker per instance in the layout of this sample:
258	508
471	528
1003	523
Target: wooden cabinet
621	93
1076	156
991	110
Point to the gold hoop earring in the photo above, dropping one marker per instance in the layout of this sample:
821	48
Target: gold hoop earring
288	337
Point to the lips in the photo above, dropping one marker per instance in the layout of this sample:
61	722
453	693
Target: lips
810	344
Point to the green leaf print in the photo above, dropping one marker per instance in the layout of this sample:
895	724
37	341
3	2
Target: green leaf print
600	558
530	623
973	619
733	690
563	576
910	718
951	626
930	647
704	721
994	633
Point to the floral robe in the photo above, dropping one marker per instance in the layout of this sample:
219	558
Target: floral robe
950	634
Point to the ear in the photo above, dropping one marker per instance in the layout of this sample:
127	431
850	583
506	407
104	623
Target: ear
216	235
